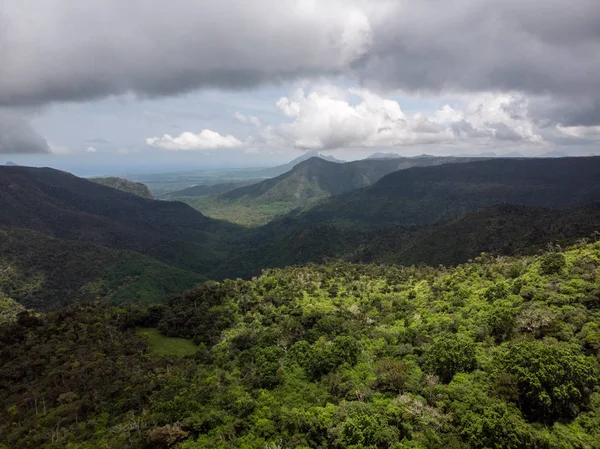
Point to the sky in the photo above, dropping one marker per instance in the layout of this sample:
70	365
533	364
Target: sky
106	86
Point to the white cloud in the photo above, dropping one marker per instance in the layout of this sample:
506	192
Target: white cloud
323	119
247	119
188	141
581	132
91	150
58	149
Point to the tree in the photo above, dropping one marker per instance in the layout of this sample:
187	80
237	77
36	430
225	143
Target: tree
554	380
450	354
553	263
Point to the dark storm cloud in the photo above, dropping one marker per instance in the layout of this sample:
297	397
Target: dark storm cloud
65	50
576	111
17	136
537	46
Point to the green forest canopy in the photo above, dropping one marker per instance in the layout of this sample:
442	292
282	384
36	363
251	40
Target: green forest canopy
496	353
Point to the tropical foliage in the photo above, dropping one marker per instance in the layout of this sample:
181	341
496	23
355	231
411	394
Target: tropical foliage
497	353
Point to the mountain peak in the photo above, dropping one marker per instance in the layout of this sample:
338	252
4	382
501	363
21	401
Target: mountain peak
384	156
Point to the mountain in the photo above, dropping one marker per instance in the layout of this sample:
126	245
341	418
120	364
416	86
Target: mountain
306	183
554	154
427	195
487	155
59	231
210	189
11	164
137	188
503	229
383	156
512	154
271	172
44	272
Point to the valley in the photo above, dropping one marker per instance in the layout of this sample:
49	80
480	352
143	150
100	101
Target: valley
369	304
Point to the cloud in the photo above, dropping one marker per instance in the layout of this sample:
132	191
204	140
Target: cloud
247	119
17	136
58	149
361	118
537	47
155	49
187	141
91	150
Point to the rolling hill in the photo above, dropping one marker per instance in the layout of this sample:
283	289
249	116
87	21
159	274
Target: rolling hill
271	172
503	229
67	237
307	182
45	272
60	233
209	189
427	195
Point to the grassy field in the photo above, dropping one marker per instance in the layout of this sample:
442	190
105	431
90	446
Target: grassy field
237	211
167	345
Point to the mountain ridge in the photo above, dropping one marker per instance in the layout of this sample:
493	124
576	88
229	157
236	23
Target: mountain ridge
299	188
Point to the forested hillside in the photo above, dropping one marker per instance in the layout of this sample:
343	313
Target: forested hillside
61	205
44	272
300	187
505	229
427	195
65	239
498	353
137	188
212	189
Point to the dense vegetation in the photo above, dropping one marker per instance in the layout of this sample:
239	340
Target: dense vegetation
61	205
210	189
137	188
428	195
66	239
299	188
45	272
497	353
503	229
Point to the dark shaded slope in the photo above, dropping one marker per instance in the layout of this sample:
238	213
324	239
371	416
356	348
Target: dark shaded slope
501	230
426	195
504	229
44	272
301	187
64	206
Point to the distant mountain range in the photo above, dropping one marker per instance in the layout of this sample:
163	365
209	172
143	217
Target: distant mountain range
281	169
65	239
11	164
500	229
307	182
426	195
384	156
